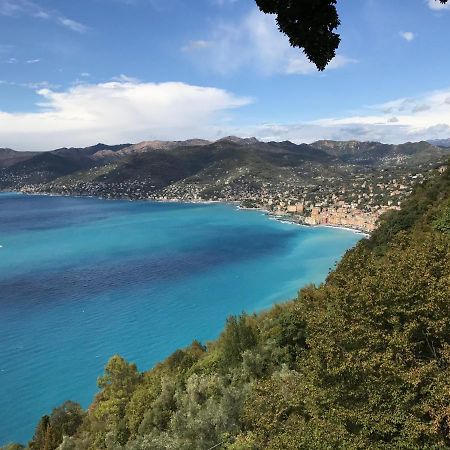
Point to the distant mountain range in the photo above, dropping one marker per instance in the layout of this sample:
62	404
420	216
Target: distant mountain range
440	142
9	157
162	163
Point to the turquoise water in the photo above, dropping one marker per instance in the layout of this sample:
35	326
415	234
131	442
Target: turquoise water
82	279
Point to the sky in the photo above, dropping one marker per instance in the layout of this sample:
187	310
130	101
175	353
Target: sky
75	73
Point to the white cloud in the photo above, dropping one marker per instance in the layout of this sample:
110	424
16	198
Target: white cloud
197	45
406	119
436	5
72	24
301	66
407	35
224	2
254	43
31	9
422	117
129	110
16	61
118	111
34	85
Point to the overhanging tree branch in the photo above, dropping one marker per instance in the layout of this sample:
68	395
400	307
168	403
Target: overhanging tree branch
309	25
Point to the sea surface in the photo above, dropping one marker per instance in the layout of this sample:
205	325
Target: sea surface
82	279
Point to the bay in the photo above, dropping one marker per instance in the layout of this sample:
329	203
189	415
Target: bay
82	279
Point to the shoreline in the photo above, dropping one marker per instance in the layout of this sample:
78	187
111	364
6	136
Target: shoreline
279	294
287	219
342	227
236	204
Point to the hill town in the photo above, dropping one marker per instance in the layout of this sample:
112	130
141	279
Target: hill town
347	184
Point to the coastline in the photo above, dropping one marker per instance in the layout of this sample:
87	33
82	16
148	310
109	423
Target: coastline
286	276
236	204
290	220
342	227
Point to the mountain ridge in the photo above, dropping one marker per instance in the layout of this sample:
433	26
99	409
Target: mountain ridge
9	157
211	167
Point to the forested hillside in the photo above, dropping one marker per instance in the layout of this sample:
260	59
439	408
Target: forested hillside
216	165
360	362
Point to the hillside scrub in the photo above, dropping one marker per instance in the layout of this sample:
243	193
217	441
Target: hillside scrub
360	362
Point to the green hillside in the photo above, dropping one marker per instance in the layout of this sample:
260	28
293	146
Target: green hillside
378	154
41	168
360	362
213	165
10	157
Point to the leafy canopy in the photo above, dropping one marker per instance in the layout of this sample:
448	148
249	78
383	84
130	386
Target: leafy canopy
309	25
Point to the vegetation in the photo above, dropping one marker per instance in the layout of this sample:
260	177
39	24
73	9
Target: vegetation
310	25
207	163
360	362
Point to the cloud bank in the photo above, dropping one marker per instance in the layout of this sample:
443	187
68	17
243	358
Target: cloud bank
119	111
406	119
128	110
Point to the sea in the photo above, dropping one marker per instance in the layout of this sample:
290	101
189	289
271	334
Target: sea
82	279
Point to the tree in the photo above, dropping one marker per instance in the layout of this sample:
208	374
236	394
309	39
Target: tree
117	384
237	337
66	419
120	377
44	438
309	25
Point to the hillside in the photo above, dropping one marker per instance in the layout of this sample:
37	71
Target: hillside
229	168
10	157
209	161
440	142
362	361
376	153
38	169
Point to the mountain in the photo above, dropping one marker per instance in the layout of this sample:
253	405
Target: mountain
360	362
41	168
238	140
85	156
440	142
207	168
376	153
105	155
160	164
10	157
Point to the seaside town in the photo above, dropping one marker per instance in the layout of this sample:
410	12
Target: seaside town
356	202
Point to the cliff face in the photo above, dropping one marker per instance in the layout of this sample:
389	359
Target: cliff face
362	361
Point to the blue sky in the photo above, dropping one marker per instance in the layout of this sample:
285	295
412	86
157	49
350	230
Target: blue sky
79	72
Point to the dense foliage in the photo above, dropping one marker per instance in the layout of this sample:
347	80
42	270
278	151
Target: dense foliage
309	25
360	362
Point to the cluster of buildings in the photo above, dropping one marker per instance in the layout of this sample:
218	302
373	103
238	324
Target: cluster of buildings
356	201
347	216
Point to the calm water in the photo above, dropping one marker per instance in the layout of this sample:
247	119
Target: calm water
83	279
